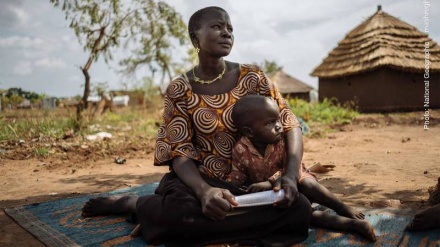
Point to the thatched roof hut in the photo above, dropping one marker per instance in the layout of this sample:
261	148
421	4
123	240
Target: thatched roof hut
381	63
290	86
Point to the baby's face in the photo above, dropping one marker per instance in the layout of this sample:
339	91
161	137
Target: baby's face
267	127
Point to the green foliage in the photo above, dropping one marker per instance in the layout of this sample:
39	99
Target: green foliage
42	151
100	88
328	112
191	59
147	27
269	67
15	99
23	94
161	28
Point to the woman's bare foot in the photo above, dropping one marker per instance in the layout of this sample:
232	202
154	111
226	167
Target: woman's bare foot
349	212
364	228
109	205
425	219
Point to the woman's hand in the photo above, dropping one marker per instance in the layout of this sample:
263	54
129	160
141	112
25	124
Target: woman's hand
216	203
290	187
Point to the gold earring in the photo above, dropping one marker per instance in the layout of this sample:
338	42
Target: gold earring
197	50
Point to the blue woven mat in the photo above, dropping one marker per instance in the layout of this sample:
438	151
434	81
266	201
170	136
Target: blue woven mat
59	223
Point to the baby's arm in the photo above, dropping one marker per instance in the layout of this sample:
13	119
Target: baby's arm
261	186
266	185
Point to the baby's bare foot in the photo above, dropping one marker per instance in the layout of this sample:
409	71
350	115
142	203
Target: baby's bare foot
107	205
425	219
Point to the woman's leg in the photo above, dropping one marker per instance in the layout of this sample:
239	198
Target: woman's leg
110	205
163	221
174	216
335	222
316	192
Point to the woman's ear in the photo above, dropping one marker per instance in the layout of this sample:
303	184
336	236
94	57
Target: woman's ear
247	131
194	40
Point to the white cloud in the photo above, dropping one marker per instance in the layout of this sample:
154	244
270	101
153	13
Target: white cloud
51	63
74	78
23	68
35	36
21	42
21	14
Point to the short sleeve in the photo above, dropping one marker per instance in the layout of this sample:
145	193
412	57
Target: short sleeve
175	133
267	88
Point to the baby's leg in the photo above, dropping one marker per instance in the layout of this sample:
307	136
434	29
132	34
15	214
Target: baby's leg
317	193
335	222
110	205
425	219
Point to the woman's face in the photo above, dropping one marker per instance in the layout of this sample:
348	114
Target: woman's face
215	34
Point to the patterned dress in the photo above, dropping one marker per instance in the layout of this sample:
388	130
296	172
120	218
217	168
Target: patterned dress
200	126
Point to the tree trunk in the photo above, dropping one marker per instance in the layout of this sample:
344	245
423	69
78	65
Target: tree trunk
85	70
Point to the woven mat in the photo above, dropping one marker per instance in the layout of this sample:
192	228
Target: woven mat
59	223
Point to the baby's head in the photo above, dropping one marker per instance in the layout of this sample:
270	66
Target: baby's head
257	117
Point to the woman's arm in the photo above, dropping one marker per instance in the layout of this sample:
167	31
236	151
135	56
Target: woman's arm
216	202
294	145
289	181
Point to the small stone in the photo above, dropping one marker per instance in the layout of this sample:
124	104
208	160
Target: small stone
120	160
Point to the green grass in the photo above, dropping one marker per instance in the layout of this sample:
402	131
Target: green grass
321	116
42	152
26	125
38	128
24	128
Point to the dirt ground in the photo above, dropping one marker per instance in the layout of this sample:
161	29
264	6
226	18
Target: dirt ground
379	162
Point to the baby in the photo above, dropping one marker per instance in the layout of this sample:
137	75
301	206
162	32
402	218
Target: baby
259	158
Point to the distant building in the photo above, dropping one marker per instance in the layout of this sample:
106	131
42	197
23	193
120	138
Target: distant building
121	100
381	65
25	104
125	97
49	103
291	87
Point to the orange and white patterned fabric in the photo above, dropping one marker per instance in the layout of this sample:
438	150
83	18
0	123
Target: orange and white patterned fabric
200	126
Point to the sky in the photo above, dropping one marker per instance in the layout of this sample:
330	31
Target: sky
40	53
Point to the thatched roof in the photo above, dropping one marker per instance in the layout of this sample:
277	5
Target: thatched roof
381	40
288	84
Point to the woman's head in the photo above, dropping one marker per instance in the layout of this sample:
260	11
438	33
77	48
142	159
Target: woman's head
210	30
257	117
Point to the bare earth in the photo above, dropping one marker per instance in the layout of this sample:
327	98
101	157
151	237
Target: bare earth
378	164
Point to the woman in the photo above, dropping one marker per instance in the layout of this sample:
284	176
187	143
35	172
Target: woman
196	140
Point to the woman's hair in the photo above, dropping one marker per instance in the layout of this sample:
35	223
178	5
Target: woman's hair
195	21
246	109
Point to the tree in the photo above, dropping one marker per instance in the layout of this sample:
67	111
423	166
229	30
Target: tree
191	58
101	25
270	67
100	88
15	99
157	37
13	91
